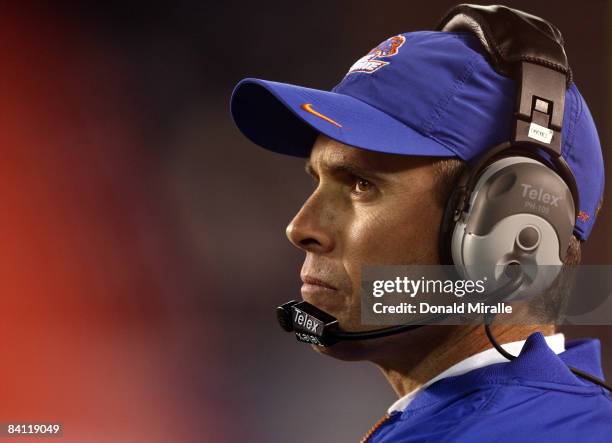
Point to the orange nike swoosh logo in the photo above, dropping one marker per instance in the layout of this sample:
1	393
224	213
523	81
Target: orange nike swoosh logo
308	108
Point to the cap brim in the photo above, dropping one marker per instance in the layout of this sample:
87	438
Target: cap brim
286	118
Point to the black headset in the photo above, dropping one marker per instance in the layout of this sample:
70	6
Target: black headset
489	220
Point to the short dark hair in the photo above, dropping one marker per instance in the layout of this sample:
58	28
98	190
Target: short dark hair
548	308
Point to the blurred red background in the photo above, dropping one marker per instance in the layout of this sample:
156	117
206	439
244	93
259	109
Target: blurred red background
143	241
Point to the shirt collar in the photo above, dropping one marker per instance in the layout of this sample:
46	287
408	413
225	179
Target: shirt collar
555	342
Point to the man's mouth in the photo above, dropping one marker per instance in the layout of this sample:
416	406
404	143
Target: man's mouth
323	294
315	285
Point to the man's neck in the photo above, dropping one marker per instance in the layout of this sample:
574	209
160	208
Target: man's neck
437	348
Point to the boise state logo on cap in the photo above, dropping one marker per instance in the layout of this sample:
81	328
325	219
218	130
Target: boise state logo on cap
371	61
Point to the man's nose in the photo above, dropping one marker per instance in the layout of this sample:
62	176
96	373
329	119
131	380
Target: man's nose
311	228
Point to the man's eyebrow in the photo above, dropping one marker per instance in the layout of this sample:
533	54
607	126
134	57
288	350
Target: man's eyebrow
343	168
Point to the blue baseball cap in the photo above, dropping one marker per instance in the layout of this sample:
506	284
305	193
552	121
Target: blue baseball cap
425	93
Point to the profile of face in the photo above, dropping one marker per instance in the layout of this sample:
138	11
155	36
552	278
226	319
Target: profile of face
366	208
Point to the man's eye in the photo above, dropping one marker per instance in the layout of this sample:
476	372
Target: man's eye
362	185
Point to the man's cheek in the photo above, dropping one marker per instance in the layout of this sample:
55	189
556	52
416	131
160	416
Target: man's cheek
383	244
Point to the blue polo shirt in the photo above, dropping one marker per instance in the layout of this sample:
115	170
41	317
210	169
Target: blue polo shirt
532	398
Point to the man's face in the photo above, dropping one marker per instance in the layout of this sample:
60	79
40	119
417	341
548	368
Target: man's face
367	208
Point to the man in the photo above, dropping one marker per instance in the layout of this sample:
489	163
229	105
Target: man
384	149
